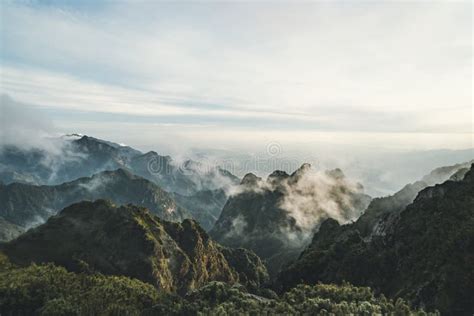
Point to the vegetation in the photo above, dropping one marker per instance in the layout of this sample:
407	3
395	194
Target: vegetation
50	290
130	241
259	217
425	254
99	259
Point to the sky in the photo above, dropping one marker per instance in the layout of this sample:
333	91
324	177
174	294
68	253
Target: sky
242	75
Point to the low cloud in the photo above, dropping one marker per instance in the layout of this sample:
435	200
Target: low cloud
24	126
308	197
95	183
318	195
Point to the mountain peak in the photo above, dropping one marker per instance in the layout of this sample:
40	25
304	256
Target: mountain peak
278	174
469	176
436	228
126	240
336	173
301	170
250	179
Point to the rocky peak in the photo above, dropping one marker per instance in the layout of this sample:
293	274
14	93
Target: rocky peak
469	176
336	174
277	176
276	219
301	170
424	253
130	241
250	180
440	190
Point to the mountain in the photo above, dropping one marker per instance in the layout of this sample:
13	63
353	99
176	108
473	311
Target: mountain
64	160
426	253
382	211
185	178
205	205
198	187
27	205
130	241
71	157
276	217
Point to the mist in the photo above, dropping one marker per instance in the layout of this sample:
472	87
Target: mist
305	199
26	127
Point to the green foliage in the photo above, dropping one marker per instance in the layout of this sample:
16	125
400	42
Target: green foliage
217	298
51	290
425	253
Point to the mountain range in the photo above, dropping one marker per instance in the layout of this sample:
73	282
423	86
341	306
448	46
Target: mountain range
82	156
423	252
27	205
37	183
131	241
117	223
276	217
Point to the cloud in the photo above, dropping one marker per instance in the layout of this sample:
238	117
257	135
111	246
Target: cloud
393	67
307	198
318	195
237	228
24	126
95	183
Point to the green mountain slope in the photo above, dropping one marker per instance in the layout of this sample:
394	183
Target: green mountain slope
276	217
130	241
83	156
28	205
426	253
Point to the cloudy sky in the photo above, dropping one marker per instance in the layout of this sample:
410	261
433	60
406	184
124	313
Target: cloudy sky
236	75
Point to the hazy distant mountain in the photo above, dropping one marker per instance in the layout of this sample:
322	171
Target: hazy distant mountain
74	157
381	171
186	178
130	241
385	173
382	211
67	160
28	205
205	206
425	253
277	217
199	187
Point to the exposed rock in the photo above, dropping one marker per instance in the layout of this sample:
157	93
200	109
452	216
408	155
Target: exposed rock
130	241
426	253
277	217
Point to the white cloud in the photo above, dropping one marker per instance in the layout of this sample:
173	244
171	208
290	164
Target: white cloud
24	126
343	68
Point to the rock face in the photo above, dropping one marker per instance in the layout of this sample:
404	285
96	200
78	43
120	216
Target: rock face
425	254
252	273
28	205
383	211
277	217
130	241
201	189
